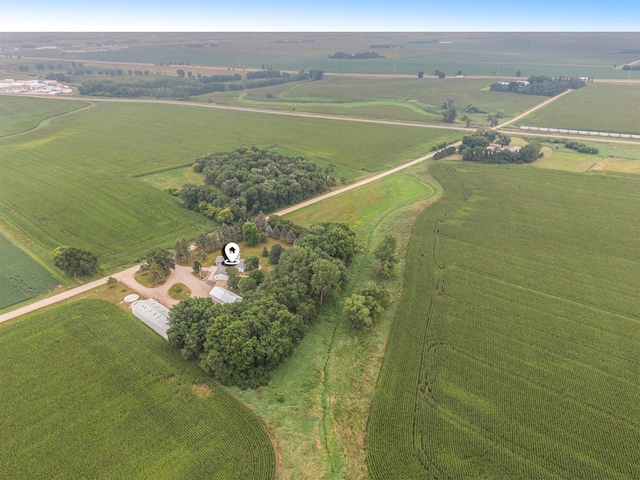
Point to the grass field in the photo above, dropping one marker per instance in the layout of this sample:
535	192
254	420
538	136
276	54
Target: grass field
362	204
173	178
566	159
513	353
409	99
85	164
611	157
90	392
21	277
599	107
21	114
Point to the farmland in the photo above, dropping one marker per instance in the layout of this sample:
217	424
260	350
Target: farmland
85	164
24	114
409	99
611	157
520	313
21	277
601	107
116	401
361	205
552	54
317	402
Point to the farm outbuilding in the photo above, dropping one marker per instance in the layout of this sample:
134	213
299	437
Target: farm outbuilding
153	315
222	295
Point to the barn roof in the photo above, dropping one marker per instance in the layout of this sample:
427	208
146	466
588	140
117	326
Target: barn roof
153	315
222	295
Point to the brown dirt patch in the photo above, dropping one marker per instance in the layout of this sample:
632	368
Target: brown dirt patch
201	390
614	164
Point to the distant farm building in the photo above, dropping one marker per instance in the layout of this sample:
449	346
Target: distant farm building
222	295
153	315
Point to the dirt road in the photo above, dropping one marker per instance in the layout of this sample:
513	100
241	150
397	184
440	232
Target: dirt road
65	295
183	274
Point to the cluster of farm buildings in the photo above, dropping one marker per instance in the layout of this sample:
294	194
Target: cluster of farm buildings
38	87
156	316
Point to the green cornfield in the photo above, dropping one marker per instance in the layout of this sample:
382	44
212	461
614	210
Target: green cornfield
514	351
78	180
88	391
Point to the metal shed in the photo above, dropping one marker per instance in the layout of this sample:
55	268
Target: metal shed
153	315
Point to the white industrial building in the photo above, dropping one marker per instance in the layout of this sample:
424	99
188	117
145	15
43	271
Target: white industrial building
153	315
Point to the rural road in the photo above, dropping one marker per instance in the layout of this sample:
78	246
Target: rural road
65	295
183	274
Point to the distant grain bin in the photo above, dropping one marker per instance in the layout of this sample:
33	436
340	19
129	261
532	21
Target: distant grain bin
153	315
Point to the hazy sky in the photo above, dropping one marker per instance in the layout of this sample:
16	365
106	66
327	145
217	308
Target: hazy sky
328	15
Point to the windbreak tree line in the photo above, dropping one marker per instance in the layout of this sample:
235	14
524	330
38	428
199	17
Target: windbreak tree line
246	181
184	88
240	343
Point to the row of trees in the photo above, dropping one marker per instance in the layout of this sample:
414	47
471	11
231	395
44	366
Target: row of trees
445	152
184	88
246	181
577	146
241	342
539	85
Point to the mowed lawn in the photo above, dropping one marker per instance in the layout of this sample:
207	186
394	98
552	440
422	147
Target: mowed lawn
73	182
514	351
21	277
601	107
88	391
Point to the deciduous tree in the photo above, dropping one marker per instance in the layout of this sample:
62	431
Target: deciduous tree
385	254
75	262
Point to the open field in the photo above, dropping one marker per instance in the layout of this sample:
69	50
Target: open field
611	157
173	178
85	164
573	54
24	114
513	353
623	165
601	107
409	99
566	159
21	277
89	391
361	205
